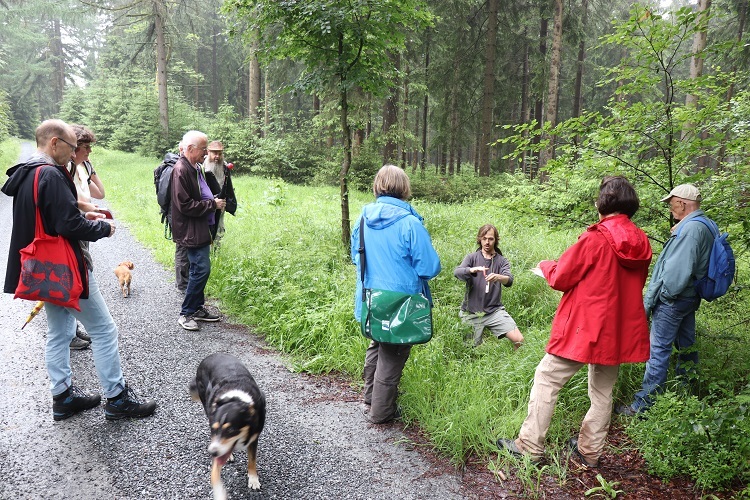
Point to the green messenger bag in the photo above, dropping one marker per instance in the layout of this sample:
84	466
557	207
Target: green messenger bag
392	317
396	317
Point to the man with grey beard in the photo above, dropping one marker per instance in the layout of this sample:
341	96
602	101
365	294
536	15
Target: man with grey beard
218	177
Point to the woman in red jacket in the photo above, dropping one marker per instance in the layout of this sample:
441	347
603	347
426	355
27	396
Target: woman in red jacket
600	322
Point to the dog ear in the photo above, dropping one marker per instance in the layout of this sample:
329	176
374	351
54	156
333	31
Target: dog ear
251	410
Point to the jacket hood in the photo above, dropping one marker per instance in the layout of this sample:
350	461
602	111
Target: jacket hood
386	211
17	173
629	242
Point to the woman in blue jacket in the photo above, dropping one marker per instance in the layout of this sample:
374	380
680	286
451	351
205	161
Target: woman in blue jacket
400	258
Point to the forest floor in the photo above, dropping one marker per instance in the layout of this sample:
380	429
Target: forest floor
625	471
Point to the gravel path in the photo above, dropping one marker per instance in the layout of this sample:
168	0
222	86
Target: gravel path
315	445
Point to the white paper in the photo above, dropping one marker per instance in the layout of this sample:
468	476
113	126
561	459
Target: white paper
537	271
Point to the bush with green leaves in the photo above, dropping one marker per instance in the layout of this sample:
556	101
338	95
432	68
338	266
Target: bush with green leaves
708	439
294	157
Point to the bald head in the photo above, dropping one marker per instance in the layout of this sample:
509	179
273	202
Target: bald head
57	140
194	146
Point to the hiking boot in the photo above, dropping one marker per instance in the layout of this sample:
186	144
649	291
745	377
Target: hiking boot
72	401
188	323
78	344
573	445
81	334
202	314
127	405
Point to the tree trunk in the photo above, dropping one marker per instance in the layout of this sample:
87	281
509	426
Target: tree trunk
577	99
266	105
253	94
346	164
405	122
554	78
425	107
160	22
488	94
742	18
538	107
696	70
215	73
390	119
525	108
58	63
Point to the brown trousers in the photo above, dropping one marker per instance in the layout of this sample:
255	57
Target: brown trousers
551	375
384	364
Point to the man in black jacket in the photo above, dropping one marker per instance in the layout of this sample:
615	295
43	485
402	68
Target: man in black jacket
59	212
193	212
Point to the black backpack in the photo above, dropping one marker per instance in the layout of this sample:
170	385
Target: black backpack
163	185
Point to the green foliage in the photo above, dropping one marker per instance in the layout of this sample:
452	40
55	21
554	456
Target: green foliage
281	271
9	151
5	116
294	157
237	135
707	440
605	488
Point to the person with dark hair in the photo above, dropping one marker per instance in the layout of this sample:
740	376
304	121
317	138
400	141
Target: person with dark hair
400	257
600	322
485	272
60	215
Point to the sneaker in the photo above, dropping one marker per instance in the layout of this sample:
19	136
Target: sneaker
77	344
127	405
573	445
188	323
395	416
203	315
72	401
626	411
81	334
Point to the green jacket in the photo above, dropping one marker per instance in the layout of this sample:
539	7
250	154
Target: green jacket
683	260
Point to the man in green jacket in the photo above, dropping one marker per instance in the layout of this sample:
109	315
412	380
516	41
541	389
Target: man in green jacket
671	299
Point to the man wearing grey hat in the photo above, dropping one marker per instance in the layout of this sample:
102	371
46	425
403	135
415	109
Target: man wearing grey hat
671	299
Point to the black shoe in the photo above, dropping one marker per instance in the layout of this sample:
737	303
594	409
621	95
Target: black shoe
78	344
82	334
573	444
396	415
203	315
73	401
127	405
510	446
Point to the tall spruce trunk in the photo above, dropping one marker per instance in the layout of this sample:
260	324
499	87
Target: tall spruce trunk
160	22
58	63
539	105
488	93
253	93
425	107
553	88
696	70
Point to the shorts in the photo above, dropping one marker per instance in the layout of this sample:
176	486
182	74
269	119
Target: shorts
498	322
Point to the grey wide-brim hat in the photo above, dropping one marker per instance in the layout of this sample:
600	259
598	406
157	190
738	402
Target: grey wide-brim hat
684	191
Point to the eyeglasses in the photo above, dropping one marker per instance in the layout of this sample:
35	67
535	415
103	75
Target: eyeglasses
672	203
72	146
85	146
204	148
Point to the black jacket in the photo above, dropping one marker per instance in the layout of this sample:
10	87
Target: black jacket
225	192
60	216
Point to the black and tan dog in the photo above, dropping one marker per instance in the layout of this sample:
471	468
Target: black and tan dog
236	411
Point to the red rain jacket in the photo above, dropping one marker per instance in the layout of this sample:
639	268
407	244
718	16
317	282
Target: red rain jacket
601	319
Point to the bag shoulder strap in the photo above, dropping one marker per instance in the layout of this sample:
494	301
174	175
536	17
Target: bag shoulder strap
711	225
361	250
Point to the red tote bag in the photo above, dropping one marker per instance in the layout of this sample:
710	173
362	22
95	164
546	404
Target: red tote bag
49	268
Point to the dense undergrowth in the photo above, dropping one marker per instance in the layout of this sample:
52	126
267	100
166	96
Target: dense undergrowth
281	269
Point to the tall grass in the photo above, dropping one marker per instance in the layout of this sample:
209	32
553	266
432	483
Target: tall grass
281	269
9	151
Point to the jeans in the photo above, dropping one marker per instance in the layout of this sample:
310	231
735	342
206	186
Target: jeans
61	328
671	324
200	270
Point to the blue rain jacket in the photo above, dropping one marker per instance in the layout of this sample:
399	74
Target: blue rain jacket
398	250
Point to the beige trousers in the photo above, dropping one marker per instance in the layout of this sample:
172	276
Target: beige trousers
551	375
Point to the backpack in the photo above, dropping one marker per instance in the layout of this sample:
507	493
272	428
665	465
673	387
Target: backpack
720	272
163	185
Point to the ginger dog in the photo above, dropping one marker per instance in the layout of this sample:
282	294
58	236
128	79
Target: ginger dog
122	271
